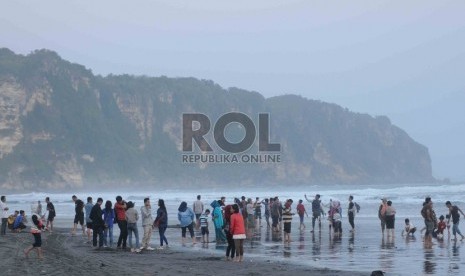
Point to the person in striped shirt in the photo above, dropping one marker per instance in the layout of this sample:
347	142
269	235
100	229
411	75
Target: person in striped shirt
287	219
204	225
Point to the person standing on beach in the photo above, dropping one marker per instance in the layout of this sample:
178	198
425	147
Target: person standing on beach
454	213
132	217
204	226
109	220
161	221
218	221
316	211
237	229
98	223
258	211
351	210
197	207
4	214
275	215
39	209
301	211
186	218
147	222
231	248
382	214
88	209
79	215
120	212
390	219
250	214
430	221
267	212
287	221
51	214
36	230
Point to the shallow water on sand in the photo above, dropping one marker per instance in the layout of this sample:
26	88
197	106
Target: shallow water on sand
365	250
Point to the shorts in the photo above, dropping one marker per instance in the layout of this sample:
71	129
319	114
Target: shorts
79	218
197	216
390	222
204	231
429	227
89	225
287	227
37	240
258	215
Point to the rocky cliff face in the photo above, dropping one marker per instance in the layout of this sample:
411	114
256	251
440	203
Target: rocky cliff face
62	127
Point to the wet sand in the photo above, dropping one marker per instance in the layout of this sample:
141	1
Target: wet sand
65	254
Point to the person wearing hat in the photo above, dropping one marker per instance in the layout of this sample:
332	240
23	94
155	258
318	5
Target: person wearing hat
382	213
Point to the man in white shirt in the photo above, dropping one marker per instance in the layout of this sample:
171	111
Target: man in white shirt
198	210
3	214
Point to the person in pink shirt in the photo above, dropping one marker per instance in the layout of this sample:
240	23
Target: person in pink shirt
237	229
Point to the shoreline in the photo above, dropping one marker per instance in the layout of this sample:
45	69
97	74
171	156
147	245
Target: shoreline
64	254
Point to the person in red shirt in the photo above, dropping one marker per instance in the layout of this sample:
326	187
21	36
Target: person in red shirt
441	226
237	230
120	213
301	211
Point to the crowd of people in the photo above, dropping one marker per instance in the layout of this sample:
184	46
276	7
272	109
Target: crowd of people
230	221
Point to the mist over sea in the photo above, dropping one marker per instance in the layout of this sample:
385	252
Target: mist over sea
366	250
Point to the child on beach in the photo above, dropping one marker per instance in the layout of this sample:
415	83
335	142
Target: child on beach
287	219
36	230
337	224
409	228
204	226
441	226
301	211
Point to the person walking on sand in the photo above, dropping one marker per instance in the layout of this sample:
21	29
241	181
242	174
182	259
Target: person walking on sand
316	211
351	210
301	211
88	209
161	221
120	212
197	207
3	214
98	223
454	213
382	214
132	216
36	229
79	215
186	219
51	215
109	220
237	229
147	222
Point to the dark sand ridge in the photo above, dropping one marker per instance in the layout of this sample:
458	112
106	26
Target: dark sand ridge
66	255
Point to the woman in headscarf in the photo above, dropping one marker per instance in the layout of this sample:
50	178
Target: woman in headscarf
218	221
231	249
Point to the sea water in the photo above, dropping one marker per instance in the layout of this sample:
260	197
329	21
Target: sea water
365	250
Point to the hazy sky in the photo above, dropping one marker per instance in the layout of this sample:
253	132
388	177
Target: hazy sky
403	59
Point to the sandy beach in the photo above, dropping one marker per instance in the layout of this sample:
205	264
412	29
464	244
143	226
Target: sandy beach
64	254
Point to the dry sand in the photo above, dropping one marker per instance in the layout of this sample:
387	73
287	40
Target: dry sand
67	255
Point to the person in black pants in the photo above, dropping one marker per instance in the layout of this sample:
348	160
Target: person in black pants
97	223
351	213
120	213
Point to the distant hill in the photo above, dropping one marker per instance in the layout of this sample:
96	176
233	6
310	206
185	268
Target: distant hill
63	127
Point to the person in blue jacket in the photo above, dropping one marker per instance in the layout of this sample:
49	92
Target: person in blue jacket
186	219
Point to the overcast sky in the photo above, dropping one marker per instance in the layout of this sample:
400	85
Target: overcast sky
403	59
